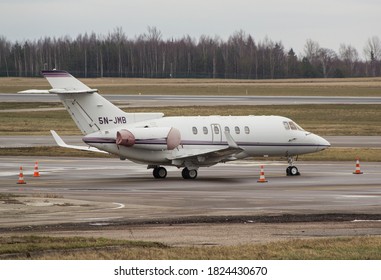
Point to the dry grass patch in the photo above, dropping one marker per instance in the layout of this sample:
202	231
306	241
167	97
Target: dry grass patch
349	248
321	119
333	87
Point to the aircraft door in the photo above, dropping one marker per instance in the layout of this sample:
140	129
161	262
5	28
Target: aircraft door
216	133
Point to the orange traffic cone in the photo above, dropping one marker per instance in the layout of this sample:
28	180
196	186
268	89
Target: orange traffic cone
36	173
357	171
262	178
21	177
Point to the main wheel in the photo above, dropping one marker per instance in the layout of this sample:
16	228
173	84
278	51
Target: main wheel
159	172
192	174
189	174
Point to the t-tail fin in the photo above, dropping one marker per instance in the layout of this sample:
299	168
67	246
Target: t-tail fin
62	80
84	104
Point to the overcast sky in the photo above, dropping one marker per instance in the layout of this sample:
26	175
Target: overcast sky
329	22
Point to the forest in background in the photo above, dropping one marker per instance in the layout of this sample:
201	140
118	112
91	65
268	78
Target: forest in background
150	56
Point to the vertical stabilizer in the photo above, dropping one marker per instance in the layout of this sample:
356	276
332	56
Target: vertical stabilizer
89	110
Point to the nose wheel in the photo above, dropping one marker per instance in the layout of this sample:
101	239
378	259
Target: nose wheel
291	170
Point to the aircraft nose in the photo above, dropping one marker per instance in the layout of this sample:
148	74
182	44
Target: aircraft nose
321	142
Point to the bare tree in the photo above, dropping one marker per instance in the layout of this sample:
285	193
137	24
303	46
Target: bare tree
349	56
372	51
326	58
311	50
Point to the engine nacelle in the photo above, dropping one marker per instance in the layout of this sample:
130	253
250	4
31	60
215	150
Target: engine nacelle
125	138
153	137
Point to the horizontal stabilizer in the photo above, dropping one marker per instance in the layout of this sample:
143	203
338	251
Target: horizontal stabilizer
61	143
60	91
63	80
35	91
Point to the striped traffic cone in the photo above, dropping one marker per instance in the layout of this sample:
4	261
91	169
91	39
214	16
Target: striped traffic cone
36	172
262	178
358	170
21	177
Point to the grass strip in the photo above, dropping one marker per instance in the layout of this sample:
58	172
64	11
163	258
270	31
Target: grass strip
285	87
321	119
43	247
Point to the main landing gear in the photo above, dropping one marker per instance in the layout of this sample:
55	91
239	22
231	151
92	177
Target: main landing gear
160	172
189	173
292	170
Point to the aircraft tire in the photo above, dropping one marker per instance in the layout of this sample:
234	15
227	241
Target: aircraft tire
192	174
185	173
292	171
189	174
159	172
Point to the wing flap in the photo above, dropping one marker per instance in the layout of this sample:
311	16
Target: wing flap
211	155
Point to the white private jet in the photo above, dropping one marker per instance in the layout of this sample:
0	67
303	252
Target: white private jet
184	142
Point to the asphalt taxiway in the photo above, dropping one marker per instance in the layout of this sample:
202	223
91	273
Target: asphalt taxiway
85	190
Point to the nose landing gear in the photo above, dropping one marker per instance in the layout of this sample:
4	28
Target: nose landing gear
292	170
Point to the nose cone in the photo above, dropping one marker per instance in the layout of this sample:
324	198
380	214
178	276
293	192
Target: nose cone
321	143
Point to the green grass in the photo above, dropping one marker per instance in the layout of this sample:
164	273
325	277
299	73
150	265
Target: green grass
43	247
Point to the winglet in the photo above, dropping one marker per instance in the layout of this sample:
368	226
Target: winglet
230	140
61	143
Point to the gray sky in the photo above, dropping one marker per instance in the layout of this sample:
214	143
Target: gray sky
329	22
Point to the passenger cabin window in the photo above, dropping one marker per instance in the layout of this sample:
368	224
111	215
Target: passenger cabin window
237	130
227	129
194	129
205	130
216	130
286	125
247	130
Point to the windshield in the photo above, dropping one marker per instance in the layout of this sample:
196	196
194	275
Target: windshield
291	125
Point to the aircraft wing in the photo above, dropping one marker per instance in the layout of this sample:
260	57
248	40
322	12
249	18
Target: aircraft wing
210	155
61	143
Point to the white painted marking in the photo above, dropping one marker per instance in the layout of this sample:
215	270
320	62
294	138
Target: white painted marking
364	221
98	219
120	206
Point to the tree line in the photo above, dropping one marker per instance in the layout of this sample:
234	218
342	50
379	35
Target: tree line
149	55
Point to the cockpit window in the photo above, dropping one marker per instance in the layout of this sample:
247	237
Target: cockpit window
294	126
286	125
299	128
